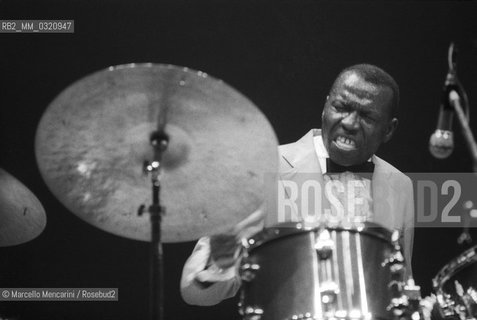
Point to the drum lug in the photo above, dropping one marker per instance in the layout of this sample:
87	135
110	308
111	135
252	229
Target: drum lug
324	245
329	291
396	266
406	303
412	291
248	271
306	316
398	306
396	259
252	313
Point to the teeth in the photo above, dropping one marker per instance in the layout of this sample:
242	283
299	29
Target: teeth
345	140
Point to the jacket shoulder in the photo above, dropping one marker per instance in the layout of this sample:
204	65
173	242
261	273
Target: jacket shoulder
389	168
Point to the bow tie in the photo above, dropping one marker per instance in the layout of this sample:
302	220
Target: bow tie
333	167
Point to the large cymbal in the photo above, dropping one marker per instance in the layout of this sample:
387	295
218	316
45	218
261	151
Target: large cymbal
21	214
95	136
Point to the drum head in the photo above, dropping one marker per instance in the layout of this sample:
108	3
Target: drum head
292	228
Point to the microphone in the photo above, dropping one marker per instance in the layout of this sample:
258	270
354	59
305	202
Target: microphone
441	142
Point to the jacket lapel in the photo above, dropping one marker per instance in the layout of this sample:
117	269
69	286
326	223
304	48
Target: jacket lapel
383	194
301	155
299	165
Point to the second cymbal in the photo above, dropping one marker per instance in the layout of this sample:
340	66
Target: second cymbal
22	217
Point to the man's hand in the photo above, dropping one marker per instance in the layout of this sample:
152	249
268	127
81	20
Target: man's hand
224	250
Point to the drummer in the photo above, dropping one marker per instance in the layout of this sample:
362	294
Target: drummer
358	116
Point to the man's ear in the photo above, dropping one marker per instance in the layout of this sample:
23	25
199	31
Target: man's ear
390	129
324	106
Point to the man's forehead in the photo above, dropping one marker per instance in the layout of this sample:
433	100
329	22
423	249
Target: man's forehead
353	88
354	82
356	98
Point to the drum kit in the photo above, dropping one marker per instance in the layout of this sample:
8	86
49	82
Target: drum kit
162	153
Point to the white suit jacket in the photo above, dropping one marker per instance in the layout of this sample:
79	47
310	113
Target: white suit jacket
393	207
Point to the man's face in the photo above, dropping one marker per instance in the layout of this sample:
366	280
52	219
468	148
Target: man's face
356	119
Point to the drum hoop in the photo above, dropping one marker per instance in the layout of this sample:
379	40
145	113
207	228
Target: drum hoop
455	265
291	228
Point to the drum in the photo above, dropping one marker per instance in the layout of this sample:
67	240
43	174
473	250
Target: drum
456	287
322	273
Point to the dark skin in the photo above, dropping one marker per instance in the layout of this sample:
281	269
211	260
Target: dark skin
356	119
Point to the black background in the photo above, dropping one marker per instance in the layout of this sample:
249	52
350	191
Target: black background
283	55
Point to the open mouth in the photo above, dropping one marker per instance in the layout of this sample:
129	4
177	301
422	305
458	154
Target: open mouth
345	143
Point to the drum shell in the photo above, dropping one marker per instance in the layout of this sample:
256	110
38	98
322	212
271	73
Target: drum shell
291	274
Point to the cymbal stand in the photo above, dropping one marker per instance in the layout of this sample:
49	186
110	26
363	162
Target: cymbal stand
458	100
159	141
